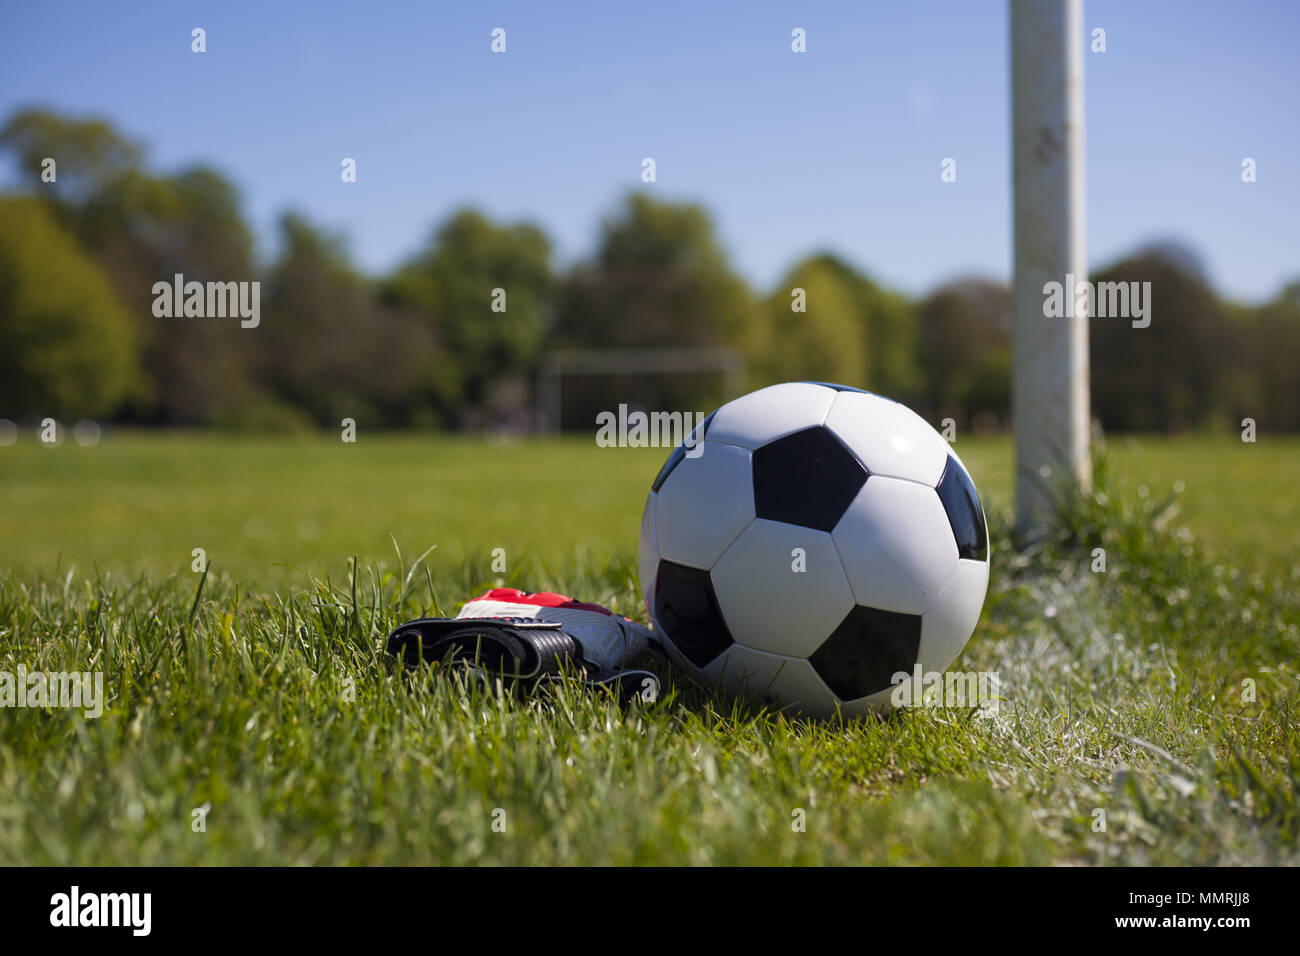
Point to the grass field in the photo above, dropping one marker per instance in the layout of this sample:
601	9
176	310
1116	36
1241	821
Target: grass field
1158	697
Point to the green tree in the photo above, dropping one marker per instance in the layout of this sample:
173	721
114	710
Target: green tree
853	332
330	348
660	278
891	324
67	348
1263	383
826	340
88	153
964	351
491	339
142	229
188	224
1175	373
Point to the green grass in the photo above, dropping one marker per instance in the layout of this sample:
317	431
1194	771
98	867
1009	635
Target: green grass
1124	690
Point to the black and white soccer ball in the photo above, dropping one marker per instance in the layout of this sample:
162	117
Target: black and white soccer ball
812	542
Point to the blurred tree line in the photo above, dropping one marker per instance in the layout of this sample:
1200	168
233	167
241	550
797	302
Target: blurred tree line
425	347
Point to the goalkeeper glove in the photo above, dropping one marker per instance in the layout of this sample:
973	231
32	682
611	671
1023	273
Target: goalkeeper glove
533	638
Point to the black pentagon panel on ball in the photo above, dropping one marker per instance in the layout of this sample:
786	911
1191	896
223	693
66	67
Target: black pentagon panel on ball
687	610
677	454
867	650
808	479
961	502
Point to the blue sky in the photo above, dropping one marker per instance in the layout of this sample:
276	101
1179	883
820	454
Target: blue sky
837	148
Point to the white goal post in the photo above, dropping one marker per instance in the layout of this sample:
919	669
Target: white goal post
667	361
1049	389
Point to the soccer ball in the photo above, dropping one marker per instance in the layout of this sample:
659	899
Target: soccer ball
809	542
